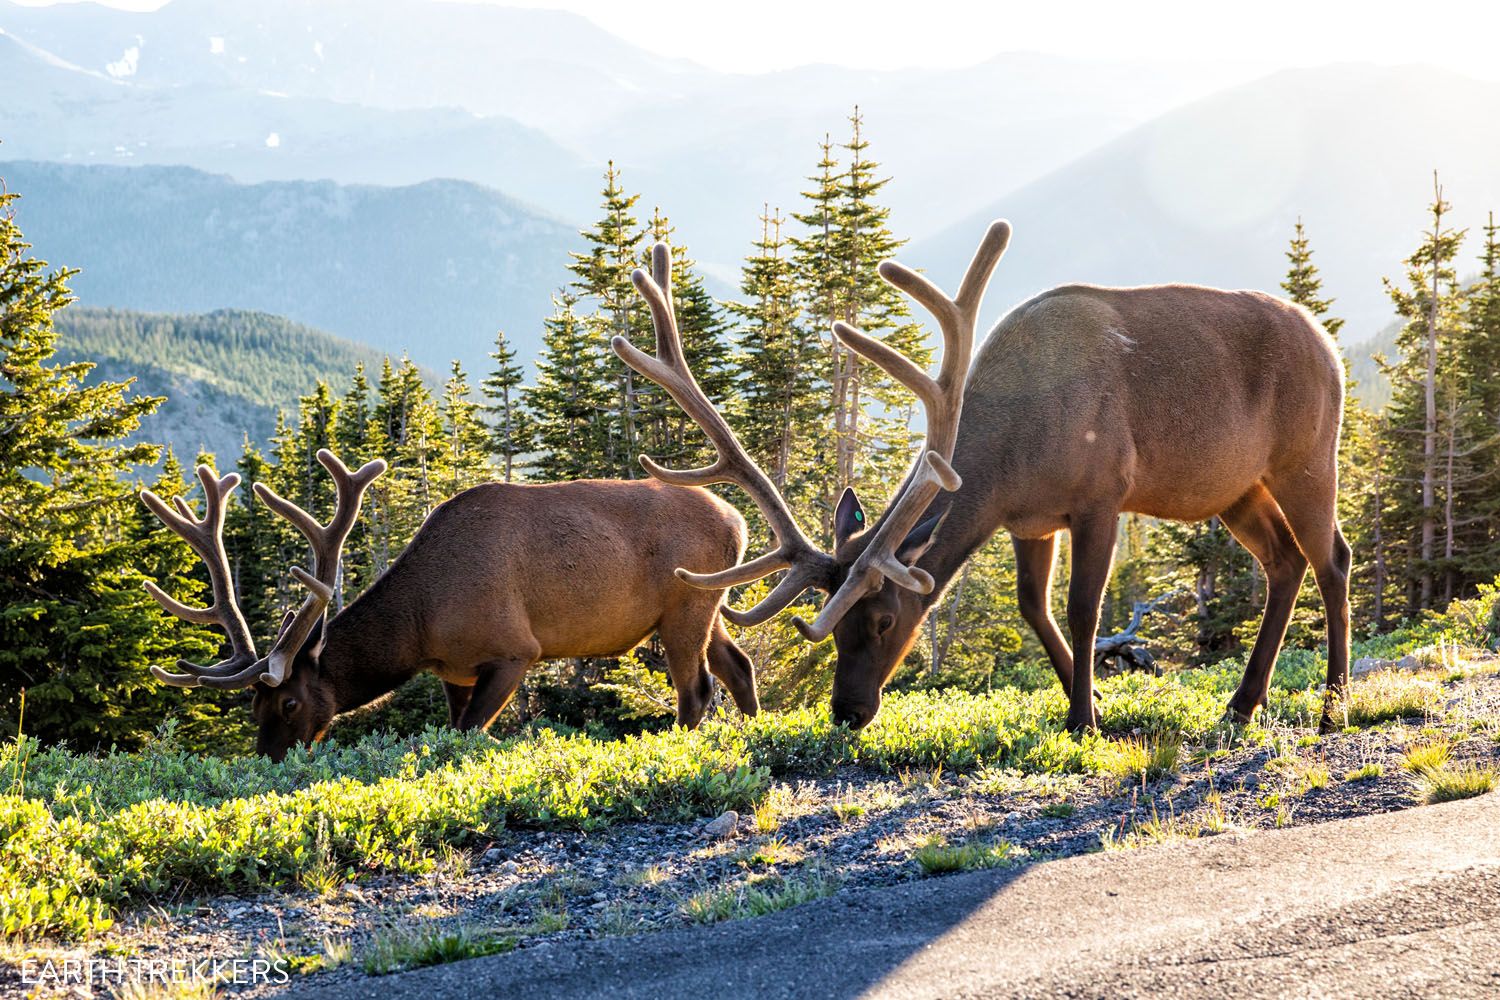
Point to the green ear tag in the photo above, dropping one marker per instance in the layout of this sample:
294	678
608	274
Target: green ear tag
859	515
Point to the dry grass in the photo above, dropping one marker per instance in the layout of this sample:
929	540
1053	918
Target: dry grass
1448	784
1392	694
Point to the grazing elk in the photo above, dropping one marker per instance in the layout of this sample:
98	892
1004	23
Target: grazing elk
498	577
1173	401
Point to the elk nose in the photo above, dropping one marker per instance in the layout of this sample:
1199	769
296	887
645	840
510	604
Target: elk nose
851	714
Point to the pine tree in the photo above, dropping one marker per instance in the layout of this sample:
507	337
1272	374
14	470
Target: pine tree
676	440
1472	452
77	630
465	456
819	289
881	454
410	428
780	395
253	541
1303	285
570	400
603	275
357	440
512	430
847	236
1429	304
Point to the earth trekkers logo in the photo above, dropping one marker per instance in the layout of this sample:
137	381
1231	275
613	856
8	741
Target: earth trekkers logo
123	971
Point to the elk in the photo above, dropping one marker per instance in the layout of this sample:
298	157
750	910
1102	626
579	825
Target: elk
1173	401
497	578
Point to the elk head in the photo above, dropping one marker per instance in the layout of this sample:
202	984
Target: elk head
291	703
878	594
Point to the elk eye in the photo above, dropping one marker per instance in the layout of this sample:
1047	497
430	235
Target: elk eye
289	706
884	623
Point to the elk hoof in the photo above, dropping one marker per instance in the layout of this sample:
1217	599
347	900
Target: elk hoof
1078	725
1236	717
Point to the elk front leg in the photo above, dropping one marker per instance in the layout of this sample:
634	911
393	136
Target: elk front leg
458	696
733	668
1093	543
492	691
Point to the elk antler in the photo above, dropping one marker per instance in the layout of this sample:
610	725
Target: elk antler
809	566
327	541
205	536
942	399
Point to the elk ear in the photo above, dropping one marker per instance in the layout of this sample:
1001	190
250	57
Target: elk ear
314	643
916	544
848	518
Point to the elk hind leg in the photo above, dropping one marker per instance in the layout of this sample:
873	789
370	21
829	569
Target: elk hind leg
1258	523
733	668
684	637
1034	559
1310	505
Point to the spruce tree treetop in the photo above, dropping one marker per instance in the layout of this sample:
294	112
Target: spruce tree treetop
511	427
1303	285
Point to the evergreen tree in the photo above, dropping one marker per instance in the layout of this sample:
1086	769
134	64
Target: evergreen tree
571	398
256	549
676	440
1304	286
603	274
465	460
409	428
879	455
77	630
512	430
819	288
358	439
1429	303
1471	460
780	394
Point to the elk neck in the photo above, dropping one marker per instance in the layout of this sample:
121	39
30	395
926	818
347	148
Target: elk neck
965	527
372	647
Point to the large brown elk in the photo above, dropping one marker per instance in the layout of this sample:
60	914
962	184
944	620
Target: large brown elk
1173	401
497	578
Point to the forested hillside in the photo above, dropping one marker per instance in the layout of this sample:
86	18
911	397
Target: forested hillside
224	374
432	269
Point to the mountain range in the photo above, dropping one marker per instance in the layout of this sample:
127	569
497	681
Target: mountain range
396	91
1209	193
281	156
431	270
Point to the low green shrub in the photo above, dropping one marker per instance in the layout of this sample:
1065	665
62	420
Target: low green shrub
89	834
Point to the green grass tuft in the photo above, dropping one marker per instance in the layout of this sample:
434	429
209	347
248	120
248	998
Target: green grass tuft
736	902
1448	784
937	857
400	949
1427	757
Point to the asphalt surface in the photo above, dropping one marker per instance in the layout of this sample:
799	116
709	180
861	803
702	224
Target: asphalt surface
1395	905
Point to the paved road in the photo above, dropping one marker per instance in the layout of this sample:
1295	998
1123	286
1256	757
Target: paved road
1402	904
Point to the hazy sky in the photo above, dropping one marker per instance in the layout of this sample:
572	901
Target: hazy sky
755	35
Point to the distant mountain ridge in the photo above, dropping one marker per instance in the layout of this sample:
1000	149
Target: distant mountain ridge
1113	171
344	85
224	373
1209	193
432	269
